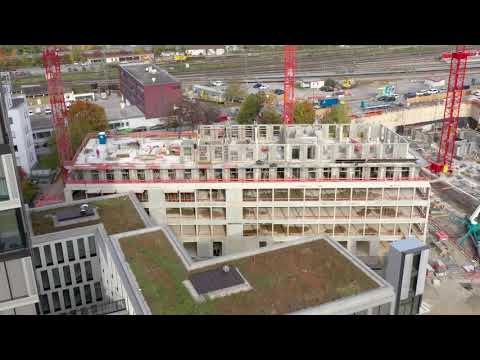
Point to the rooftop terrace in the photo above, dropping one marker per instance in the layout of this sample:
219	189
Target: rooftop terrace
118	215
283	280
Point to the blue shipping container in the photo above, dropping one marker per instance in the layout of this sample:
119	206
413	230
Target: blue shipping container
328	102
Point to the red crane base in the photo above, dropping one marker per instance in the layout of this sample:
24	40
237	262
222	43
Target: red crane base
437	168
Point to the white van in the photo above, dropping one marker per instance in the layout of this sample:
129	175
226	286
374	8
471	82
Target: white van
48	111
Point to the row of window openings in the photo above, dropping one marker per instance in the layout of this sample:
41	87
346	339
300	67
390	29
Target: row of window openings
59	251
67	299
249	173
333	229
201	195
335	194
369	212
67	276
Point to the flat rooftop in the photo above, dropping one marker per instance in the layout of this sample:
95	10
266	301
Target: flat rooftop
220	145
114	110
139	72
282	280
41	122
117	214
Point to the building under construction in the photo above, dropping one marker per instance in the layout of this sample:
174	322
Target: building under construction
229	188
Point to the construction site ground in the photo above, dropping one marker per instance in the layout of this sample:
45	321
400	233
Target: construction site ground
457	292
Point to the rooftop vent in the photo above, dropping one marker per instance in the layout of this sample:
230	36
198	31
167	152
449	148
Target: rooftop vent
153	79
226	269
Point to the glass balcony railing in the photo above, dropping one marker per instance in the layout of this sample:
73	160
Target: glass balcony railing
3	189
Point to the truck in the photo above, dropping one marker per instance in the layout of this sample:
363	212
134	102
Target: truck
326	103
364	105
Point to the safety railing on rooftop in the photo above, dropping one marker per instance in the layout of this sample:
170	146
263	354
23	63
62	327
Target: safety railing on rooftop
193	181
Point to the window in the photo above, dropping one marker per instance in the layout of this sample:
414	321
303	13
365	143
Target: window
265	213
276	131
358	172
249	213
45	280
373	172
48	255
296	194
203	195
265	173
262	132
94	175
56	301
141	175
91	245
328	194
218	195
172	174
280	152
187	174
37	260
312	173
77	296
66	299
248	173
218	153
312	194
81	248
234	155
66	275
265	195
295	152
11	236
234	174
56	278
218	174
109	175
262	244
311	152
15	148
78	273
217	248
249	230
187	151
405	172
88	270
88	294
280	173
172	197
280	195
249	195
44	304
249	154
327	173
202	174
389	172
156	174
143	196
296	173
343	173
187	197
125	174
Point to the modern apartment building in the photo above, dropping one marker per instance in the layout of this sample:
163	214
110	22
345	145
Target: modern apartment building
95	264
230	188
20	127
18	292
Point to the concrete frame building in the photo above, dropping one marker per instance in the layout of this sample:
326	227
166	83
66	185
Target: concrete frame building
230	188
18	293
84	266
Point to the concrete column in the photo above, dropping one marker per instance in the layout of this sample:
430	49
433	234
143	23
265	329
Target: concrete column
374	246
68	195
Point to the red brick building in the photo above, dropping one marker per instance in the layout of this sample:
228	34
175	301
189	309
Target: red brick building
153	90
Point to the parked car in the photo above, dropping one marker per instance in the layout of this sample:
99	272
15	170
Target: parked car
422	93
386	98
327	88
140	129
433	91
217	83
278	91
466	87
410	95
157	127
30	112
263	87
257	85
476	93
48	111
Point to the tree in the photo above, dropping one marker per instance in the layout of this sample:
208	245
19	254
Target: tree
85	117
139	50
330	83
250	108
29	190
340	114
235	90
304	113
270	116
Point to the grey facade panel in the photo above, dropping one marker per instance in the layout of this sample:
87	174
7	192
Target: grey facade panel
26	310
17	279
407	271
5	293
422	272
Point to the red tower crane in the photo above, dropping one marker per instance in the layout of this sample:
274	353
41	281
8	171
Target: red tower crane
289	84
453	101
51	62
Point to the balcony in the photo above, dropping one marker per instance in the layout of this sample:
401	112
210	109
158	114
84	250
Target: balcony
118	307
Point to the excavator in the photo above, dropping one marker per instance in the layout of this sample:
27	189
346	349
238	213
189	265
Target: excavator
473	230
